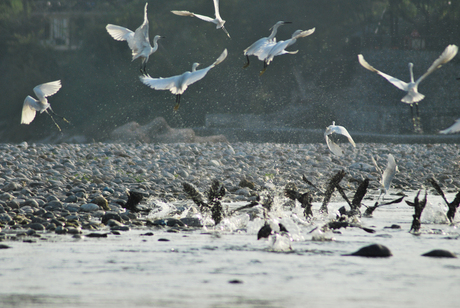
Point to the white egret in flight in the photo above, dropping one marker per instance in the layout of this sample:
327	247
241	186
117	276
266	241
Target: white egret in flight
279	48
455	128
387	175
260	48
138	41
31	105
218	20
413	96
178	84
334	147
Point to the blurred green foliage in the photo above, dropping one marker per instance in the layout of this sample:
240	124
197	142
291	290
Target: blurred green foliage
101	89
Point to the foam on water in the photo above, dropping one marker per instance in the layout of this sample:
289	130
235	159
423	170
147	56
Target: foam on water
194	268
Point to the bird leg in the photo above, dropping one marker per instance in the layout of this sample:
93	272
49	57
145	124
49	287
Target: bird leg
418	128
225	30
265	68
64	119
177	102
247	64
60	130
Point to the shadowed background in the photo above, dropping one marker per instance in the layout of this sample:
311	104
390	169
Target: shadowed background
42	41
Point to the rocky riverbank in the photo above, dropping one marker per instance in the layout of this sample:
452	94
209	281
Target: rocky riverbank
73	187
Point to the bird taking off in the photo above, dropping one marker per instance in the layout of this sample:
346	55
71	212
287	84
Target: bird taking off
413	96
138	41
387	175
178	84
218	20
334	147
31	105
262	46
279	48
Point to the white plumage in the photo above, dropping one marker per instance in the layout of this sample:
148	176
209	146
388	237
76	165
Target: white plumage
337	129
31	105
455	128
279	48
413	96
178	84
138	41
218	21
262	46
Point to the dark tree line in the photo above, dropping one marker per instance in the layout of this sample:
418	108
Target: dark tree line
101	89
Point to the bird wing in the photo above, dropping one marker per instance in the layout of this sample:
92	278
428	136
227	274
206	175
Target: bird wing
47	89
29	109
119	33
455	128
343	131
264	50
389	172
334	147
187	13
305	33
445	57
216	9
160	83
395	81
199	74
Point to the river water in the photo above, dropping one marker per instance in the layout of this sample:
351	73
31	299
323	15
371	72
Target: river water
229	267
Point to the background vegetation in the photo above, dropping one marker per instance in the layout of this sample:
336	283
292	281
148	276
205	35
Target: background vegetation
101	89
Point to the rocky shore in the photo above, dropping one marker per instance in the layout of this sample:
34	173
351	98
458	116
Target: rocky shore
75	188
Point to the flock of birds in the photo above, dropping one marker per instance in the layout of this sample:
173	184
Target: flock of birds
265	49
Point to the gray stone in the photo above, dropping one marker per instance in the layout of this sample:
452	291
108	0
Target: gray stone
89	207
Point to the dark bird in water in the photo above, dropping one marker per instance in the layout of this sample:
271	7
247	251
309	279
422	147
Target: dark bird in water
371	209
267	230
305	199
214	195
331	186
343	222
372	251
439	253
134	198
451	205
357	199
419	206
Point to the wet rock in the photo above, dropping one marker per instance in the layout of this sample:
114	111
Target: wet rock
439	253
109	216
36	226
372	251
102	202
89	207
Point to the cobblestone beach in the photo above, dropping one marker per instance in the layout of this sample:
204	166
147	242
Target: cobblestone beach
72	187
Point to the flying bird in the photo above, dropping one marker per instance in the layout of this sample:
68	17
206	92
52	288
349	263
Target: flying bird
280	48
261	47
413	96
331	129
218	20
455	128
31	105
138	41
387	175
178	84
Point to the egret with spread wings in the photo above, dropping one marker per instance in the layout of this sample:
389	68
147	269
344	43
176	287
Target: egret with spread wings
413	96
178	84
218	21
262	46
138	41
32	105
337	129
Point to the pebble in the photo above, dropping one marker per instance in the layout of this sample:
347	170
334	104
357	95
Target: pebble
83	186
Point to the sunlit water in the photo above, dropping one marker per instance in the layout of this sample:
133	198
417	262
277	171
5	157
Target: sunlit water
196	269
